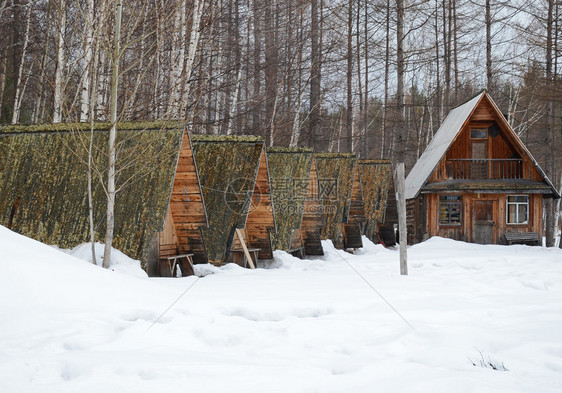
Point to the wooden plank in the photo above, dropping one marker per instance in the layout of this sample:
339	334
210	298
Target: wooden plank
246	252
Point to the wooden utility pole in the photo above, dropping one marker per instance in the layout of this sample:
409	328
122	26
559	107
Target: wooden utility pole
401	207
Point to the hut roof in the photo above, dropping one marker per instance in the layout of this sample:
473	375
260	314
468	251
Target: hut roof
227	168
376	178
289	171
201	138
277	149
98	126
335	155
335	177
43	167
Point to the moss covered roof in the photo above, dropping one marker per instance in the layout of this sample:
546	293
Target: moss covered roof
376	179
99	126
227	172
374	162
289	172
46	173
201	138
335	178
335	155
277	149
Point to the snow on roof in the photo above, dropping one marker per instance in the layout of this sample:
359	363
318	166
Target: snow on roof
439	145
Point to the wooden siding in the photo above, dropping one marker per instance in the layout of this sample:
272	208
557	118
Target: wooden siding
261	219
464	231
356	220
357	206
499	146
186	210
313	215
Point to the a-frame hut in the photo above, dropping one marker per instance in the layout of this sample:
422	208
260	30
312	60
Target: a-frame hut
186	215
335	176
313	220
43	186
476	181
233	177
289	170
376	179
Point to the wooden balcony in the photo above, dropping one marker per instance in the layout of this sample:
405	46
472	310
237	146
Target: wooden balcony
498	169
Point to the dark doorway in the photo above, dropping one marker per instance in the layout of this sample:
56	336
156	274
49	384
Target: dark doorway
483	222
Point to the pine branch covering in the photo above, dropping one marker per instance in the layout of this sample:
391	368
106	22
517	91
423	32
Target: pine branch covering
227	170
376	179
44	176
289	171
335	176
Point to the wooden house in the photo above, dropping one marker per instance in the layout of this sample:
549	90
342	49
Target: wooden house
376	180
43	183
336	173
289	170
476	181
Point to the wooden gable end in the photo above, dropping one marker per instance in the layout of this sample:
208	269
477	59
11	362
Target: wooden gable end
313	216
507	157
261	218
357	207
186	212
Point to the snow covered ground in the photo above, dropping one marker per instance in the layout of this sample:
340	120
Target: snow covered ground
295	326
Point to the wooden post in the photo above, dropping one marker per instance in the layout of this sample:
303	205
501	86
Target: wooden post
246	252
401	207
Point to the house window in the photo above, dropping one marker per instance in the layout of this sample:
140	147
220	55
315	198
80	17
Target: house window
478	133
517	209
450	209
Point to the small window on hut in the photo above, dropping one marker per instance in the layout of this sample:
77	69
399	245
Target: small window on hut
450	209
478	133
517	209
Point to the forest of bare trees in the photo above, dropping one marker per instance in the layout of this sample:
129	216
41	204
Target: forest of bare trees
375	77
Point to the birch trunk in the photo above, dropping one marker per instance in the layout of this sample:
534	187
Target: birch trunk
349	110
193	44
57	100
111	148
386	76
40	101
178	60
315	73
88	54
20	83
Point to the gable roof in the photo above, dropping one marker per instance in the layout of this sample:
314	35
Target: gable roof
444	138
289	171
